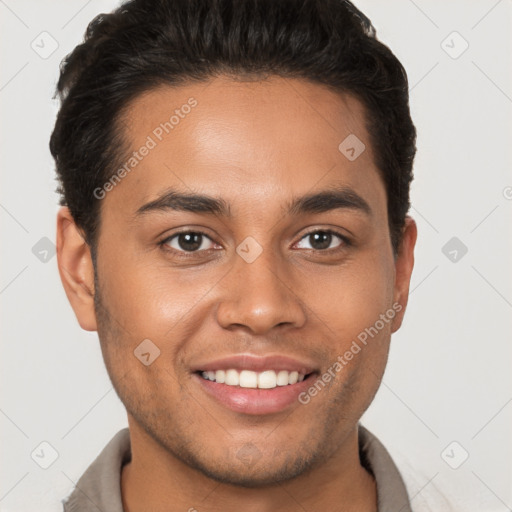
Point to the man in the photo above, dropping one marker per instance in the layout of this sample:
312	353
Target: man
235	187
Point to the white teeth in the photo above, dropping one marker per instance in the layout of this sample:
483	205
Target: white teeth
282	378
232	378
248	379
267	379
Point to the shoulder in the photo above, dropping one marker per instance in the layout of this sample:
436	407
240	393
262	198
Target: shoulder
100	486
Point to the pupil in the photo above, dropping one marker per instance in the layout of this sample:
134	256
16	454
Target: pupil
321	240
190	241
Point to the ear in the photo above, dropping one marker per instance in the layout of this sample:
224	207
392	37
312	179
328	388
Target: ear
76	269
404	264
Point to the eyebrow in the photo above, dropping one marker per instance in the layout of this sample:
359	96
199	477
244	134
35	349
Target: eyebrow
317	202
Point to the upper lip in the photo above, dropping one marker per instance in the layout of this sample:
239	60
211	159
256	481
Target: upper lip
256	363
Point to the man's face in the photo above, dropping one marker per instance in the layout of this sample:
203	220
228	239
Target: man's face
284	292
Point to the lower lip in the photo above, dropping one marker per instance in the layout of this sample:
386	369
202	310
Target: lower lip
255	401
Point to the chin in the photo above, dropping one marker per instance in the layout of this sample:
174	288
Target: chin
260	474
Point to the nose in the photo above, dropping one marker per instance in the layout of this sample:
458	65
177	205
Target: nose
259	296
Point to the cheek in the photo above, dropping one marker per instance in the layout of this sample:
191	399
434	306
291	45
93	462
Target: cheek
355	309
154	302
352	297
140	290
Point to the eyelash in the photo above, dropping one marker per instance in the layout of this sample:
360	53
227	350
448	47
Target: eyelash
190	254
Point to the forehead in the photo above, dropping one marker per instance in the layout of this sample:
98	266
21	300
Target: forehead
245	140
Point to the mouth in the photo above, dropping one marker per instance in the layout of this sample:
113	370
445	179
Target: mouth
255	385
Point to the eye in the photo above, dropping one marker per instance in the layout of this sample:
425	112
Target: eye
321	240
189	241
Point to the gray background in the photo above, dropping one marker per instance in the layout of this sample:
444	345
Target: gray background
448	378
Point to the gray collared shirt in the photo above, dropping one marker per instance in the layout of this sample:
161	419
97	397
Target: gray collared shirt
99	488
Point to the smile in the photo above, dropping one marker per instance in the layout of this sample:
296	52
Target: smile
267	379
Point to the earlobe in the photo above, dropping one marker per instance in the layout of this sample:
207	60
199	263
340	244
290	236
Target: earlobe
403	269
76	269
